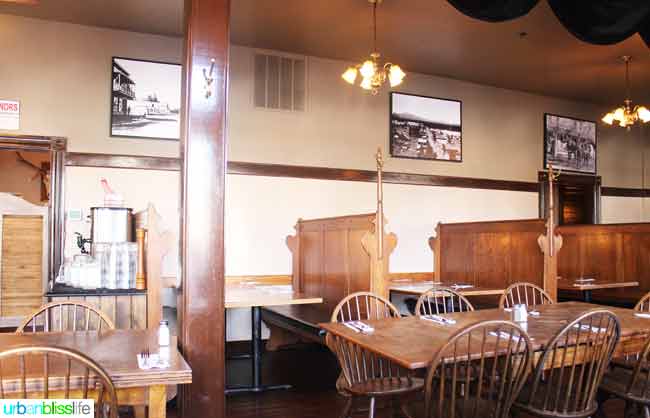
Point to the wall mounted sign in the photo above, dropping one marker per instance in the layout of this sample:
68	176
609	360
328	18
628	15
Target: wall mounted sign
9	115
425	128
145	99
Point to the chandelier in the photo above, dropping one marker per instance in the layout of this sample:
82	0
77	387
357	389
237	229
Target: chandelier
373	73
627	115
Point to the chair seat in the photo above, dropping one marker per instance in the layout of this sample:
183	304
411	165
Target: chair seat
383	386
615	383
536	406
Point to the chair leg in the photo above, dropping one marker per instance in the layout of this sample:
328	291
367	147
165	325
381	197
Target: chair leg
404	409
371	413
347	407
646	411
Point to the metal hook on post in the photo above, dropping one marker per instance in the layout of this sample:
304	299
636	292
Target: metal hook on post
209	79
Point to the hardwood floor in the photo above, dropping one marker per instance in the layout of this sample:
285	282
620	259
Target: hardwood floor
312	371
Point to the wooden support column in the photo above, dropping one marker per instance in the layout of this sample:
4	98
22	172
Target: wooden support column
203	160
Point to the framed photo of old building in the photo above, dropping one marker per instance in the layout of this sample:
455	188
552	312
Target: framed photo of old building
570	144
425	128
145	99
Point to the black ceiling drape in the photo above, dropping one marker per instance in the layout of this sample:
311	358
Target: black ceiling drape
600	22
494	10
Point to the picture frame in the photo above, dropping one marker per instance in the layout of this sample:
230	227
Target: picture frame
425	128
145	99
570	144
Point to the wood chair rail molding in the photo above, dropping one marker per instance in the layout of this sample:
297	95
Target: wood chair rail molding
84	159
491	254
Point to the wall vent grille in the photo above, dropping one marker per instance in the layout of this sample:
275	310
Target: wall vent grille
279	82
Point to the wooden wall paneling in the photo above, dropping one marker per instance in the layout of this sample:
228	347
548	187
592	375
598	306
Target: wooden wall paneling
333	257
203	155
613	252
489	254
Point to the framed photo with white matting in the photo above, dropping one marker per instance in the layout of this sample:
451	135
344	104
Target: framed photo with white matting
425	128
145	99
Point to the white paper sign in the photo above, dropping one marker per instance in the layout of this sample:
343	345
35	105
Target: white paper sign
9	114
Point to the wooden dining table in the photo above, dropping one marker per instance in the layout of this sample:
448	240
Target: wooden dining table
411	341
116	352
417	288
255	296
586	287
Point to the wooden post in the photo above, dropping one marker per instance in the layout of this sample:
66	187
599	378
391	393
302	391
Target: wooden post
550	243
377	244
140	277
203	155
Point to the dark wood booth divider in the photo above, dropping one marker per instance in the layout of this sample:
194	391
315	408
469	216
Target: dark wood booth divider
333	257
492	254
611	253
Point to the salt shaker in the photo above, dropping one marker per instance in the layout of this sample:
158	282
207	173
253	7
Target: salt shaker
519	313
163	333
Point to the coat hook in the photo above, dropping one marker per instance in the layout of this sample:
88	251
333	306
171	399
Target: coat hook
209	79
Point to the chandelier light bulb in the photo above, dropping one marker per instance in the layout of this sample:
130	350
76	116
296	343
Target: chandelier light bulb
608	118
366	83
367	69
644	114
350	75
619	114
395	75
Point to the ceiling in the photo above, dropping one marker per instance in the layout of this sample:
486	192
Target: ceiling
425	36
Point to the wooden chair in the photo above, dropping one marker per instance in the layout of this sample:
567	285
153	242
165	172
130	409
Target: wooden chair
564	383
66	316
526	293
630	384
364	374
629	361
498	353
56	373
441	299
643	305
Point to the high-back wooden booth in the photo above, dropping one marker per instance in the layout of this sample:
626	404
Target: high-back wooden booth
333	257
607	252
491	254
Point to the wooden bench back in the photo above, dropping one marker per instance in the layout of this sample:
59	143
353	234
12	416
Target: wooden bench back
489	254
613	252
334	257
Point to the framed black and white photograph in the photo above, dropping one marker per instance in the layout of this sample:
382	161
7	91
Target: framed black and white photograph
569	144
426	128
145	99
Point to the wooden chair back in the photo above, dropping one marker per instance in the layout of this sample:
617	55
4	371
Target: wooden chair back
442	299
638	387
362	306
643	305
48	372
564	382
495	356
359	365
526	293
66	316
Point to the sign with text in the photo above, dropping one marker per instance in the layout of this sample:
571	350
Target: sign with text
9	114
